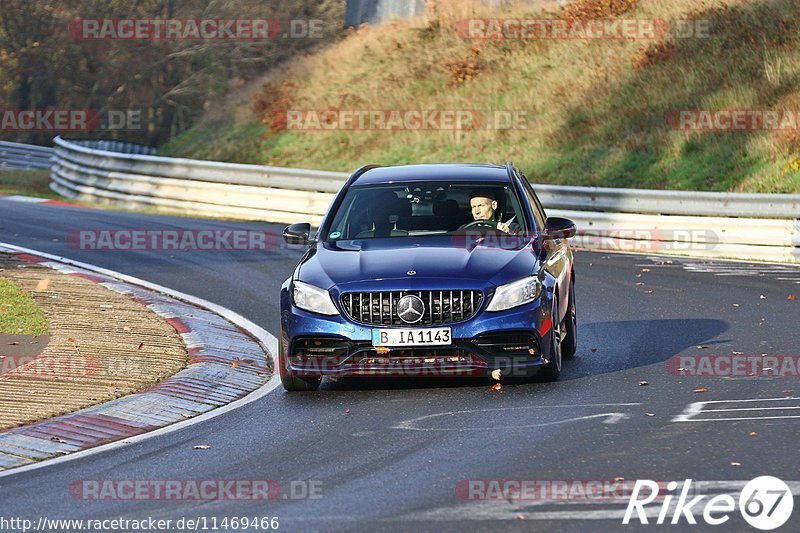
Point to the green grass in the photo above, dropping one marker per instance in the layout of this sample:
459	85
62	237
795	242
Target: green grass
26	183
19	314
597	109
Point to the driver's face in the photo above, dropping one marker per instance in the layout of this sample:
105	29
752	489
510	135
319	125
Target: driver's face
482	208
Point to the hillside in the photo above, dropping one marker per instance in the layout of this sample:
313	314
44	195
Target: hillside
601	112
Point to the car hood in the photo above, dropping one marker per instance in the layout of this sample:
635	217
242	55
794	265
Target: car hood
350	263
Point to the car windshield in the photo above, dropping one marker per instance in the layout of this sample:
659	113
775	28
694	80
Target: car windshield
422	208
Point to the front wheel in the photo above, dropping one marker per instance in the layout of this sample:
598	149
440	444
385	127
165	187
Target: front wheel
570	344
552	370
292	382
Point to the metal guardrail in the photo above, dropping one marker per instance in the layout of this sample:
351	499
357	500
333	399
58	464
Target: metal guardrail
730	225
24	156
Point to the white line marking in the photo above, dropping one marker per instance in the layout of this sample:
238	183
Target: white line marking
736	419
610	418
694	409
748	409
691	410
784	399
25	199
266	339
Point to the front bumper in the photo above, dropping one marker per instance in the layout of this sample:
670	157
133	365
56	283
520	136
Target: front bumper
515	341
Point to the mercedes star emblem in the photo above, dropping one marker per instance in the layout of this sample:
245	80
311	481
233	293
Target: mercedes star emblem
411	272
410	309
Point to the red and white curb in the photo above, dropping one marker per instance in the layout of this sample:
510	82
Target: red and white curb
34	200
229	359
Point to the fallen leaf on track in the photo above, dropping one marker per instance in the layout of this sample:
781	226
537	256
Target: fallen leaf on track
58	440
201	447
141	345
496	386
791	297
649	414
644	383
734	463
762	297
699	390
753	433
593	350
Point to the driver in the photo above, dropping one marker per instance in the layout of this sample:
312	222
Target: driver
483	205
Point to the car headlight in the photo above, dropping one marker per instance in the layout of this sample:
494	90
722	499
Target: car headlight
313	299
515	294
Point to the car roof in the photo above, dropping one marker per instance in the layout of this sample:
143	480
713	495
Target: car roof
438	172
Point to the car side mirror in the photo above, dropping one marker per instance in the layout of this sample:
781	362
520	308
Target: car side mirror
297	233
559	228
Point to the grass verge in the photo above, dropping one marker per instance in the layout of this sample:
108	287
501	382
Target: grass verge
19	314
598	110
26	183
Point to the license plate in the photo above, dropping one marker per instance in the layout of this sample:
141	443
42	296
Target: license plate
411	337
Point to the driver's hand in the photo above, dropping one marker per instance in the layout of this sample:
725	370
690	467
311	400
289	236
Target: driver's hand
503	227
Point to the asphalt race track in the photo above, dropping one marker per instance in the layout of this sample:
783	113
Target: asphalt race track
389	455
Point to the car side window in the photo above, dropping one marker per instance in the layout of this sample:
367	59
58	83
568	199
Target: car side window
538	210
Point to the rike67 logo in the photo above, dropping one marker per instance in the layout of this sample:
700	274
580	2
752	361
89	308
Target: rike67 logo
765	503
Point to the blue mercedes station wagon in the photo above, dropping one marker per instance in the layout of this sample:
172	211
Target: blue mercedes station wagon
429	270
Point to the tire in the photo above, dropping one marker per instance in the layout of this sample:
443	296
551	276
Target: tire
292	382
552	370
570	343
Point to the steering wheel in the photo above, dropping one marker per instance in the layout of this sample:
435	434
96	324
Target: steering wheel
480	224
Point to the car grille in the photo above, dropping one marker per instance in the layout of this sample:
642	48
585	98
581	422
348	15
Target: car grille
441	307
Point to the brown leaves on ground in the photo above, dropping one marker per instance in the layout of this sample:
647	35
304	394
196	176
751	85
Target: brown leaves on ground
700	390
496	387
464	70
654	54
791	297
597	9
271	103
201	447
